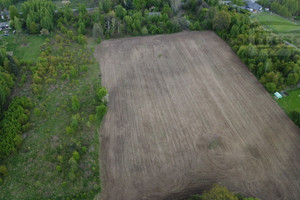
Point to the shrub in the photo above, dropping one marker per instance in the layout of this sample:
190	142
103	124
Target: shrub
1	181
84	149
91	118
18	141
69	130
36	88
38	184
220	193
101	93
75	155
101	111
73	163
37	79
26	127
295	116
84	68
3	170
144	31
81	39
60	158
58	168
271	87
72	175
74	121
36	111
75	103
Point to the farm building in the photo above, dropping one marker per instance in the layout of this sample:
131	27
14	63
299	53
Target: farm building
253	7
4	25
278	95
226	2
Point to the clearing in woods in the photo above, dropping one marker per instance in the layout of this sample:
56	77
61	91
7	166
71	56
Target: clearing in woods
185	113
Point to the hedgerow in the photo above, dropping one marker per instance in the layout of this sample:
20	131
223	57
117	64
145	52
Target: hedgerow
12	125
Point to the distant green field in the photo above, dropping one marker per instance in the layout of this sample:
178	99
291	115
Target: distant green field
277	23
280	25
291	102
24	47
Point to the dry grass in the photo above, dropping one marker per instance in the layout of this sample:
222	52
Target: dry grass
185	113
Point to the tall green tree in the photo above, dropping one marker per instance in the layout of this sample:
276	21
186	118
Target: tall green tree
139	4
13	12
39	14
221	21
17	25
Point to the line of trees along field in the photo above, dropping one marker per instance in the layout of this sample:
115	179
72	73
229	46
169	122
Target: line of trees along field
287	8
275	64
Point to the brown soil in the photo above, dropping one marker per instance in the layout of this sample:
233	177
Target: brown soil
185	113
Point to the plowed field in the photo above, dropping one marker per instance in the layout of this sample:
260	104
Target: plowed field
184	113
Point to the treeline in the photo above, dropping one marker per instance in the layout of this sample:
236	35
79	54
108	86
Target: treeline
110	19
219	193
15	121
36	15
9	68
287	8
275	64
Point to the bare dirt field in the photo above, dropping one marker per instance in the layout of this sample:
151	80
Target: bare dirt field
185	113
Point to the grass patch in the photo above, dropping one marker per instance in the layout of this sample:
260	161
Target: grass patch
280	25
291	102
25	47
277	23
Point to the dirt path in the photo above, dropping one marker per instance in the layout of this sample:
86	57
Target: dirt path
185	113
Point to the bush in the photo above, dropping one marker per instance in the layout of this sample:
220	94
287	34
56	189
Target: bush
101	111
72	175
101	93
1	181
18	141
37	112
220	193
58	168
3	170
11	126
60	158
75	103
271	87
69	130
36	88
91	118
75	155
144	31
75	121
295	116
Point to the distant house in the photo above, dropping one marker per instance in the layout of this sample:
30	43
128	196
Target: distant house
278	95
226	2
253	7
154	13
4	14
4	25
267	9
